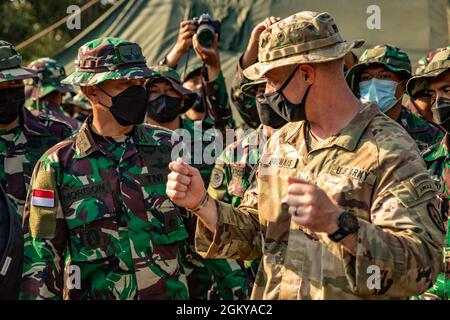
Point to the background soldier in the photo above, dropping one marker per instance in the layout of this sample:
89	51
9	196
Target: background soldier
207	278
47	91
333	198
434	84
99	197
23	136
381	76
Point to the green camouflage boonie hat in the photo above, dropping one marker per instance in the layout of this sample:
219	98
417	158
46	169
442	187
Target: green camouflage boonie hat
48	79
425	61
305	37
171	75
392	58
417	86
254	88
193	70
10	64
108	58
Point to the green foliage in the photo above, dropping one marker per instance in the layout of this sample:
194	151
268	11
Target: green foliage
21	19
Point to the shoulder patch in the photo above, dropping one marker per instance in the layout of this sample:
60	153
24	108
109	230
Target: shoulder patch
216	178
418	189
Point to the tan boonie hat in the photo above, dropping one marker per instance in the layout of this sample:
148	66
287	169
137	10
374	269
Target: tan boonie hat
305	37
417	86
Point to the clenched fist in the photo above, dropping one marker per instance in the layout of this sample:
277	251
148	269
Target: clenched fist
185	185
310	206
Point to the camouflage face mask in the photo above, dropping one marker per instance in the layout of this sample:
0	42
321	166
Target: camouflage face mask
441	113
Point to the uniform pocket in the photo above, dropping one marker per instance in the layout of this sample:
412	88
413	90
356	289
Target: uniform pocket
90	215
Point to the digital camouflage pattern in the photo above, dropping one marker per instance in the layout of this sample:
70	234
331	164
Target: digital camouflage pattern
245	104
392	58
10	64
49	74
20	149
424	133
108	58
111	218
371	168
305	37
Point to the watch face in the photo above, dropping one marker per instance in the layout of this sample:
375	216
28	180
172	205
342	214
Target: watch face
349	222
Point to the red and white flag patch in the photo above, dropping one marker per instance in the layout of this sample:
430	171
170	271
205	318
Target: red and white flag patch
43	198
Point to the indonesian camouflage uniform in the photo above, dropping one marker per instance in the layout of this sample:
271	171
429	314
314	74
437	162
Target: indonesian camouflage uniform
424	133
97	207
51	110
437	158
371	168
110	215
20	149
21	146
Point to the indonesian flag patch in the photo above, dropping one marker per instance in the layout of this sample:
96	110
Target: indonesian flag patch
43	198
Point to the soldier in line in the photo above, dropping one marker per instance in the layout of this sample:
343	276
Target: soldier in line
168	100
434	84
334	196
97	206
23	136
47	91
381	76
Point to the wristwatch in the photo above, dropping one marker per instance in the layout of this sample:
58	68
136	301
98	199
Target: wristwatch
347	224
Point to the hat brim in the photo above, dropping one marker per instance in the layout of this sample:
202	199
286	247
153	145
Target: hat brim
416	86
86	79
189	96
330	53
40	92
16	74
250	88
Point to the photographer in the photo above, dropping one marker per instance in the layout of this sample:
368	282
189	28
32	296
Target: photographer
205	79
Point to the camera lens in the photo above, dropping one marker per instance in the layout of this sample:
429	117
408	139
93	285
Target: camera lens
205	35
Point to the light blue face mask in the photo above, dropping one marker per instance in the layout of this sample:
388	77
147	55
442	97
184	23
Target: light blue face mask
380	91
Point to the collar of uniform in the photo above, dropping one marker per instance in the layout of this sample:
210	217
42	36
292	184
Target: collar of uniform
348	137
85	143
31	124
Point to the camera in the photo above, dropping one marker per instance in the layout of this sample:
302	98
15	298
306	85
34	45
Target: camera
207	27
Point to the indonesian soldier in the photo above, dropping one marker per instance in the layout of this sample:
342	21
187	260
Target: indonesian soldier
205	78
97	207
434	84
47	91
381	76
167	100
420	104
23	136
337	198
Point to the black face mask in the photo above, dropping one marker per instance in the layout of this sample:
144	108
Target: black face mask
164	109
289	111
128	107
268	116
11	102
198	105
441	113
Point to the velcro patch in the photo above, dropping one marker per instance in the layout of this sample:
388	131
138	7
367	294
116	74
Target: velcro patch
43	198
216	178
274	161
